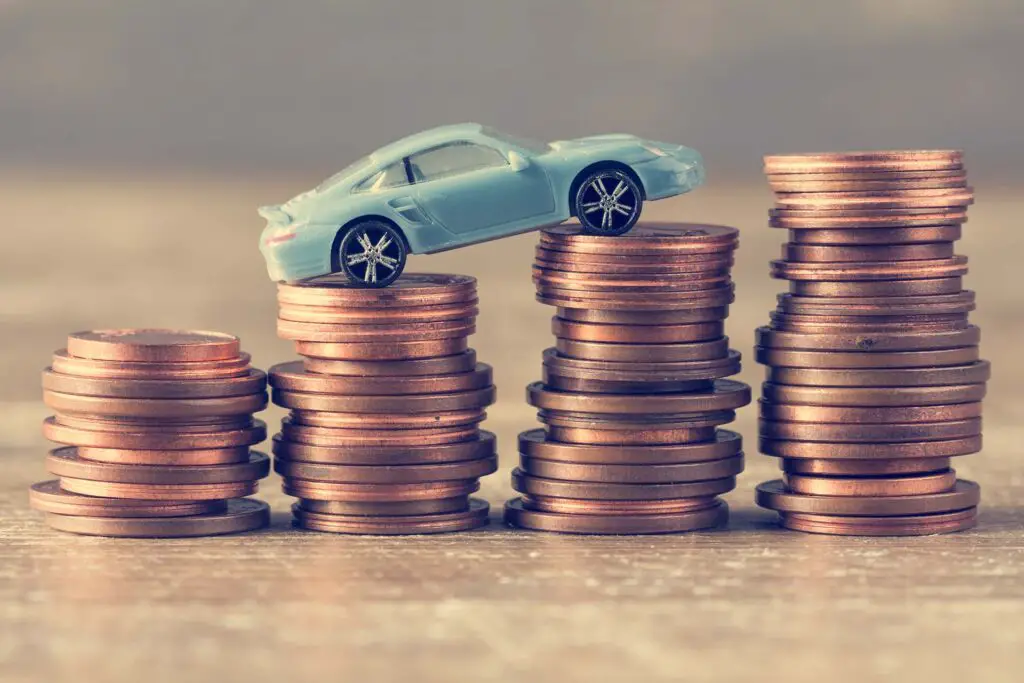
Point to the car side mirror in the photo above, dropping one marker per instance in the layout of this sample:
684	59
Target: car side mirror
517	161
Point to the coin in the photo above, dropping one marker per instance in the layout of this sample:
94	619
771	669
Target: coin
877	236
419	403
378	351
375	437
64	462
345	315
129	439
570	506
318	490
163	407
156	425
519	516
955	266
648	435
855	175
293	377
972	373
860	162
961	302
550	261
439	365
682	317
865	468
47	496
872	396
175	458
387	421
637	334
253	382
908	525
870	433
860	451
409	332
866	253
643	239
642	372
667	258
869	414
153	345
914	485
643	353
726	395
242	514
482	446
774	496
113	369
175	492
882	288
610	386
877	199
797	184
873	342
722	296
645	473
723	444
818	220
820	324
592	283
403	508
411	289
586	490
858	359
475	517
386	474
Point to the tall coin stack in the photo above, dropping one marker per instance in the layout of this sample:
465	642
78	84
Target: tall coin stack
873	375
632	393
158	425
384	432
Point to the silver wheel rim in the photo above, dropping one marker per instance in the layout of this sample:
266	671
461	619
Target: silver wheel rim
604	209
372	255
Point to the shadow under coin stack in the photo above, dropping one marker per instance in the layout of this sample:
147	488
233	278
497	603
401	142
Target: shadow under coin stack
384	432
632	395
158	425
873	374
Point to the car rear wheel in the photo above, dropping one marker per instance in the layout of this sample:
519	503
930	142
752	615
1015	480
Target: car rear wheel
608	202
372	254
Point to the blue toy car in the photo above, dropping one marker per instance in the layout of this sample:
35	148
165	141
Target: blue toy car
456	185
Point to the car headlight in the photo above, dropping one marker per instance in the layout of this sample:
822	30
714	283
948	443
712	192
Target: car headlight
655	150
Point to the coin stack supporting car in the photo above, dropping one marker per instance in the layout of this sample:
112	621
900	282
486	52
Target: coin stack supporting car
158	425
384	432
633	395
873	374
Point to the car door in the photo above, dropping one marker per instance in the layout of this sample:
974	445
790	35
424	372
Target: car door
468	188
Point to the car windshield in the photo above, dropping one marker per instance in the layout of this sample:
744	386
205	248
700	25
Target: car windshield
534	146
349	170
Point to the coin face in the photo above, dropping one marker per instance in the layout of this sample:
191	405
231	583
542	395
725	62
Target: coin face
865	161
905	525
242	514
660	523
775	496
152	345
48	496
476	516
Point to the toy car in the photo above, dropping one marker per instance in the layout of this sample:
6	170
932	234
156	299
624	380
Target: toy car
456	185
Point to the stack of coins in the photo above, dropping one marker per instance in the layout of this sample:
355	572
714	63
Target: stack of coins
384	432
158	425
874	379
632	393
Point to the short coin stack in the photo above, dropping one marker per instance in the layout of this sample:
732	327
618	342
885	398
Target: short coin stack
632	394
158	425
874	379
384	432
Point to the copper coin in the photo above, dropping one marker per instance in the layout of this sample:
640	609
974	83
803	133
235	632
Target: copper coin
375	438
633	267
870	433
175	492
878	199
65	462
386	474
160	407
683	317
643	353
637	334
366	421
820	324
961	302
171	440
112	369
589	490
915	485
241	515
156	425
378	351
385	509
665	523
955	266
722	296
872	396
724	444
613	386
344	315
253	382
641	372
862	161
869	414
570	506
644	238
443	365
379	493
412	289
480	447
909	525
649	436
973	373
726	395
419	403
405	332
153	346
774	496
476	516
882	288
293	377
853	175
862	451
858	359
592	283
48	496
865	468
616	421
866	253
878	236
544	251
175	458
632	474
793	184
874	343
819	220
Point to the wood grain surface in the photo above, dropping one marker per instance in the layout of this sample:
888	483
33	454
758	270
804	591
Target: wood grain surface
749	603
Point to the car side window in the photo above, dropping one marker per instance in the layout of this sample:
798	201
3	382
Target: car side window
452	159
392	176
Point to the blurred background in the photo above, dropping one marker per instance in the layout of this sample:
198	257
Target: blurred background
137	139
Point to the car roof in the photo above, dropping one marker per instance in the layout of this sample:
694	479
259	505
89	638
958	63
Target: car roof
427	138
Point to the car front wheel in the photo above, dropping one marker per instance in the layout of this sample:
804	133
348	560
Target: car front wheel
372	254
608	202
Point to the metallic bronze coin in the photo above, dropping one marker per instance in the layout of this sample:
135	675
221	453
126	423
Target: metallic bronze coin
910	525
724	444
851	175
864	161
546	262
643	239
395	315
862	451
159	407
870	433
65	462
818	324
866	253
156	425
243	514
877	236
873	343
420	403
375	437
877	199
378	493
386	474
819	220
612	386
794	184
882	288
174	458
682	317
388	421
570	506
961	302
915	485
624	421
482	446
412	289
632	474
665	523
111	369
175	492
443	365
774	496
293	377
402	508
405	332
872	396
869	414
649	436
641	372
666	258
865	468
147	441
253	382
858	359
727	395
592	283
643	353
588	490
972	373
618	301
955	266
48	496
153	346
378	351
478	515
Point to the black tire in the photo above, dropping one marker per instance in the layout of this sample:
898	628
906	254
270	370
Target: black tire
379	266
603	212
